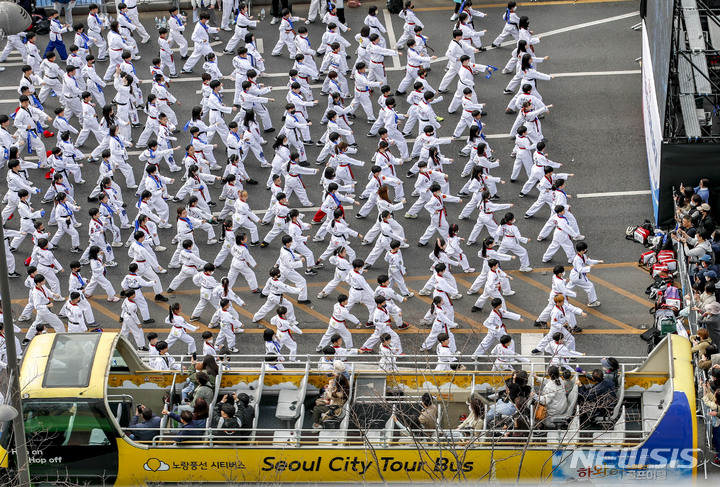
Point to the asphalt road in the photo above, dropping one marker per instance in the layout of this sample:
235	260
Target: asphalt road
595	129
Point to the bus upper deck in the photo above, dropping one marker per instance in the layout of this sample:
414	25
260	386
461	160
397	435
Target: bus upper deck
81	391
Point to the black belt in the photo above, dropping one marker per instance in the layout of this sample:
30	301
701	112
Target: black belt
276	294
73	322
358	289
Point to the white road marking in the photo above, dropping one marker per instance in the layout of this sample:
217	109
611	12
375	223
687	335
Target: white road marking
613	193
596	73
528	341
392	40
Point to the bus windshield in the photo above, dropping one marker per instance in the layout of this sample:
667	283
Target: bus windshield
71	360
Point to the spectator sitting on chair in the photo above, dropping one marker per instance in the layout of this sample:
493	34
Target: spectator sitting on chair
426	418
245	412
598	399
611	369
148	428
552	395
203	390
332	400
225	409
190	426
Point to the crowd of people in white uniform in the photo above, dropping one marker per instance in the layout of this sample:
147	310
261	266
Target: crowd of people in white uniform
204	171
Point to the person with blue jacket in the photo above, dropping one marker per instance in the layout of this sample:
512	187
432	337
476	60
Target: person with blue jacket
191	427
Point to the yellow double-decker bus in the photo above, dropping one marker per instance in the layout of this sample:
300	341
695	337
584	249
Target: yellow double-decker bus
80	392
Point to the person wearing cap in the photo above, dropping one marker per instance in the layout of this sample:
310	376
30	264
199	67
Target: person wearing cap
711	321
706	221
610	367
703	269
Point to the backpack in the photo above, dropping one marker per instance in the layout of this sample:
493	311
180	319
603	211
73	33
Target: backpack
395	6
641	233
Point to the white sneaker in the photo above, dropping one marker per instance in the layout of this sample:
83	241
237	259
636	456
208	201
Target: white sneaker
274	21
594	304
470	292
321	295
212	241
454	325
456	296
161	271
404	245
507	293
423	292
526	269
454	17
160	248
174	266
116	244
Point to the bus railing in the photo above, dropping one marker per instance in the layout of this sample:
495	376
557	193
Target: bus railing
427	361
534	437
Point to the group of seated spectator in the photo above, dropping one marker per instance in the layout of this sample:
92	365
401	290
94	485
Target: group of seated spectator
509	409
232	415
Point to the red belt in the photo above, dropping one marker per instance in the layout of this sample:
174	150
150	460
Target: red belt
349	169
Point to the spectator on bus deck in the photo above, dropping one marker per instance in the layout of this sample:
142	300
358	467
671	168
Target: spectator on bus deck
225	410
245	412
598	399
148	428
203	391
611	370
192	422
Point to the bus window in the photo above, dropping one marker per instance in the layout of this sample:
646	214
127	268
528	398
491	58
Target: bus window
66	423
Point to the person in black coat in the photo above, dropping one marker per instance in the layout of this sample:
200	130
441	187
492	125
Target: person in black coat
598	399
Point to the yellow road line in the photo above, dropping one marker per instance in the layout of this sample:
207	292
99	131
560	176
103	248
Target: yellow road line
619	290
591	311
525	4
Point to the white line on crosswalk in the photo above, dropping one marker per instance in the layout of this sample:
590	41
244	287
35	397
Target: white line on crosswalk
527	344
392	40
613	193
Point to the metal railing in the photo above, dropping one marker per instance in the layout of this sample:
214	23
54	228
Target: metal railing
687	290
